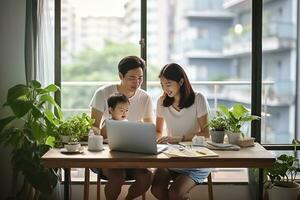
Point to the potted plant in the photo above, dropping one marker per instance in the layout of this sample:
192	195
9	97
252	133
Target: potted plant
235	119
75	128
217	127
33	106
281	177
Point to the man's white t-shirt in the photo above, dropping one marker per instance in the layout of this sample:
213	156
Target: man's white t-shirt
184	121
140	103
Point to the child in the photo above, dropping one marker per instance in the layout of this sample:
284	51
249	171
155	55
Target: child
118	105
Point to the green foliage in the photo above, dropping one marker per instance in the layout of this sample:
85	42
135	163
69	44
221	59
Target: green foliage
285	168
33	105
98	65
236	117
218	123
76	127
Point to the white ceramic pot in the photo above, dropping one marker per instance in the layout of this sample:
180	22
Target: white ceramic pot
73	147
95	142
233	137
281	191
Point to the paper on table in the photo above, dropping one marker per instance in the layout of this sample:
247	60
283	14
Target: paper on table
195	152
210	145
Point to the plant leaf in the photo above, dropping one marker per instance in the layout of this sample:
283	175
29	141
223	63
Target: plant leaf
239	110
224	110
47	98
36	112
5	121
12	137
50	141
16	92
35	84
52	88
20	107
37	131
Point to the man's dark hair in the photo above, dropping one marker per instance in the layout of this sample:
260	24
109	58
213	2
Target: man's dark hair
176	73
113	100
129	63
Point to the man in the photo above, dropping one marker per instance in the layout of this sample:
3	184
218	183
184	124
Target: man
131	71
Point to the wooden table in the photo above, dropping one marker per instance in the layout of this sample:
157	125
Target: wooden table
251	157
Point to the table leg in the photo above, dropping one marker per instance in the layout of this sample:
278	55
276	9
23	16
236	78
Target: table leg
67	184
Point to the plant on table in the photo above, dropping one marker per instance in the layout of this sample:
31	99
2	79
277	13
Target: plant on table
76	127
235	118
217	127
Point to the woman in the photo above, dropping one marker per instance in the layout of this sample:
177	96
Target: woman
186	114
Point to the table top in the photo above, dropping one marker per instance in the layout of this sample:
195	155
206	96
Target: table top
250	157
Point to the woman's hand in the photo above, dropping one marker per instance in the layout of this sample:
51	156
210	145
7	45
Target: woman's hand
162	140
168	139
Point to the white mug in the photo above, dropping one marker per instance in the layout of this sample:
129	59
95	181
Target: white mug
198	140
95	142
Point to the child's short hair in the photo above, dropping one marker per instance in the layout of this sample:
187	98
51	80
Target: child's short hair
113	100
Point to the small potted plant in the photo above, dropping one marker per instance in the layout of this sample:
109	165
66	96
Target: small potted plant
217	127
235	118
74	129
281	182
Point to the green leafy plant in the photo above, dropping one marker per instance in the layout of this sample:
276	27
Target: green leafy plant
284	169
236	116
217	123
76	127
34	107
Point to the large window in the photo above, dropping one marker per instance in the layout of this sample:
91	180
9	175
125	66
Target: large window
279	67
211	39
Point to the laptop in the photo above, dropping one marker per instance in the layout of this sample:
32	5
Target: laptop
134	137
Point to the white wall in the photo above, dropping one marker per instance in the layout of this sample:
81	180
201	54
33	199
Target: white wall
12	70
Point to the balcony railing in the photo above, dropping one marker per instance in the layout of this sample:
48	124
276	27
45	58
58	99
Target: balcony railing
214	90
76	97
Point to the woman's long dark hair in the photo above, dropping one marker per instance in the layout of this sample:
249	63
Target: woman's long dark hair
175	72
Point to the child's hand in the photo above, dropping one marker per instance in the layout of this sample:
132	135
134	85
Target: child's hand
96	130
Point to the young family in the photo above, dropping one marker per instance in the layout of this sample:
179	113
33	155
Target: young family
184	111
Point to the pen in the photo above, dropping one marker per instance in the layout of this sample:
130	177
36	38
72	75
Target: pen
201	152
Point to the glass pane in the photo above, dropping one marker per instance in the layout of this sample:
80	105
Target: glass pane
95	35
211	39
279	65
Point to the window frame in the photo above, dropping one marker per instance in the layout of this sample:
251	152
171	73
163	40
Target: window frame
256	66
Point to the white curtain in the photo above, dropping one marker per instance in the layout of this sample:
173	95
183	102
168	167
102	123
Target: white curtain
39	42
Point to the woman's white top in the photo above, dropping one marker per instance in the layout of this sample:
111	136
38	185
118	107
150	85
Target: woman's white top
184	121
140	103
